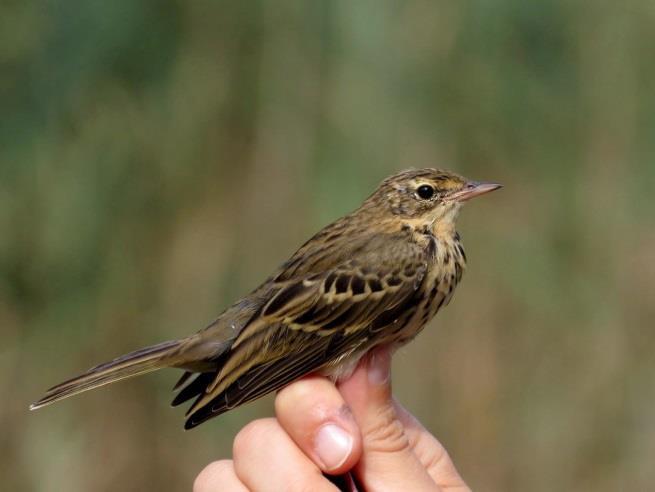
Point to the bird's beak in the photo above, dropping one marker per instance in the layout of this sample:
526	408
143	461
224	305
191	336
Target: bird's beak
473	189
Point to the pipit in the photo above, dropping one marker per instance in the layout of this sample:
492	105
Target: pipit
373	277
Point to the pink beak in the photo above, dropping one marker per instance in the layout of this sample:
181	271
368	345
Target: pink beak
473	189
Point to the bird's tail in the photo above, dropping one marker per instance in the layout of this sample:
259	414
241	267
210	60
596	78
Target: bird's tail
133	364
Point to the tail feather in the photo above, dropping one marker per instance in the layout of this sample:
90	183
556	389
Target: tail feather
195	388
133	364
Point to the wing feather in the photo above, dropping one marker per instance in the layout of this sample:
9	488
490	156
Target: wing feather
275	374
305	315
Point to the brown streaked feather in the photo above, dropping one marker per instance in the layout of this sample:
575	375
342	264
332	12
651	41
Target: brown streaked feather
194	388
323	304
388	266
133	364
308	355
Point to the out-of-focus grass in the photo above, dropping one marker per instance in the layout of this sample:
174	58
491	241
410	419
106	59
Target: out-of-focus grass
157	160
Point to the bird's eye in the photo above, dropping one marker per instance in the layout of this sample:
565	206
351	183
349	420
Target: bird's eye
425	192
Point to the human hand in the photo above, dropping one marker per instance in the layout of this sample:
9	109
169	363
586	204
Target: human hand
319	428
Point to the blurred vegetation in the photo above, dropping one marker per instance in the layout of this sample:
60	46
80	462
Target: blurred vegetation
158	159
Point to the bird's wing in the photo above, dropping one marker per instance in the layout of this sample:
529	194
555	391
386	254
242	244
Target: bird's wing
271	375
312	320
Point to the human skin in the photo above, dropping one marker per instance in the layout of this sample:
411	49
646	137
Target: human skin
356	426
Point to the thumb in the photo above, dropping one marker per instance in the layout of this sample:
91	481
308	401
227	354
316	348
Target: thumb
387	462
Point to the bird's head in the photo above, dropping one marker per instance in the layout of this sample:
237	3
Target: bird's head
428	196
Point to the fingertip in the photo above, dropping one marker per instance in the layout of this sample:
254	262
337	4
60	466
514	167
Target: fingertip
378	366
267	458
333	446
370	383
315	415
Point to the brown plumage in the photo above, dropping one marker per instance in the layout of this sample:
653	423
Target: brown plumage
375	276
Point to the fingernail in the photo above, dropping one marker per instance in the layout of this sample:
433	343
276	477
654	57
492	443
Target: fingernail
333	446
379	367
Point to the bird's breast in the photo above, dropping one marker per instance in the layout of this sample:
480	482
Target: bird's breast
445	269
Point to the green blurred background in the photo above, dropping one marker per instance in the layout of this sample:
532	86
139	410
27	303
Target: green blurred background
159	158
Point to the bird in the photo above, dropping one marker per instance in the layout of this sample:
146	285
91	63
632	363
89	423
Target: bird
374	277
